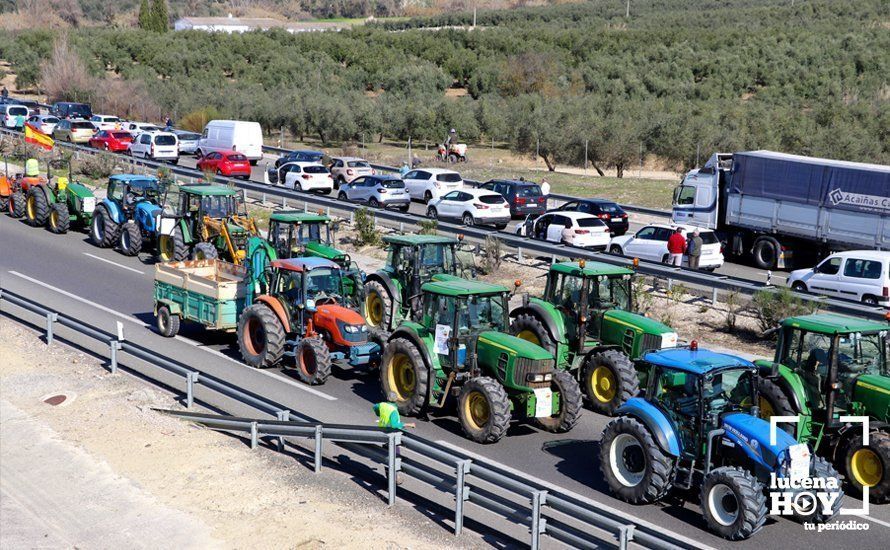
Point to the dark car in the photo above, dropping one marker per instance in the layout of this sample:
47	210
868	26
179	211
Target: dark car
524	197
300	156
606	210
66	109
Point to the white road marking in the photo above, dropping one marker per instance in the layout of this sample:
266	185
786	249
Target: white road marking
131	319
113	263
869	518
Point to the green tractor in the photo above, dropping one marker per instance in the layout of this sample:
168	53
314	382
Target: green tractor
393	293
459	346
828	367
60	203
586	320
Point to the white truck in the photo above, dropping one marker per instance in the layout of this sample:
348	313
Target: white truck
778	208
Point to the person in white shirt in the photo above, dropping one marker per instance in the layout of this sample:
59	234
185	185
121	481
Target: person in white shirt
545	190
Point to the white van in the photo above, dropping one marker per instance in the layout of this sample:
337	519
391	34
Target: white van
861	275
232	135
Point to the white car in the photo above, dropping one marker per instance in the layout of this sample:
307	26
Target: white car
428	184
571	228
106	122
44	123
861	275
307	176
472	207
650	243
156	146
137	127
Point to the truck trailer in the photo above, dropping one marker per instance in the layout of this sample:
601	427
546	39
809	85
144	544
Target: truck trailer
780	209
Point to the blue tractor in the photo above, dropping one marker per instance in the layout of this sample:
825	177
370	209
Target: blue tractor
698	426
129	213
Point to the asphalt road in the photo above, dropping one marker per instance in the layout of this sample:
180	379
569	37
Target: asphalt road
103	287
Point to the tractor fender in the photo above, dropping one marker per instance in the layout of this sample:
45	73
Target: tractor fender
752	435
657	422
145	214
390	285
171	305
164	225
5	187
114	211
789	382
275	305
424	353
548	315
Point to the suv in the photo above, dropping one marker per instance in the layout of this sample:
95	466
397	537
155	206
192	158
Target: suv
472	207
650	243
524	197
861	275
156	146
431	183
72	110
105	122
377	191
346	169
606	210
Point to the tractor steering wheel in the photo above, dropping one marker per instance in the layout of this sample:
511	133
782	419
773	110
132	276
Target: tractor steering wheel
321	299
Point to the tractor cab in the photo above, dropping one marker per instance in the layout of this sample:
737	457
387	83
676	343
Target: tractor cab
304	284
291	233
127	190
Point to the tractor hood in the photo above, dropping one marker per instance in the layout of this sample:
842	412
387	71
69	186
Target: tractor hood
752	434
498	342
339	313
146	215
647	334
635	320
873	391
342	326
324	251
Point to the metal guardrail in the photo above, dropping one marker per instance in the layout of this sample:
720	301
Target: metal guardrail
543	508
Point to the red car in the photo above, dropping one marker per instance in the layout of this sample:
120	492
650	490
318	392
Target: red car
111	140
227	164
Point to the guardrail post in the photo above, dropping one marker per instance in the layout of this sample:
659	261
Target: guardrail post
714	296
401	227
625	535
283	203
461	495
283	416
670	284
539	524
394	464
305	206
318	439
115	346
190	379
264	199
351	214
329	212
51	318
253	435
519	255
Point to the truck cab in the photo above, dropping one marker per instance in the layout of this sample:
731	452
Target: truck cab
696	198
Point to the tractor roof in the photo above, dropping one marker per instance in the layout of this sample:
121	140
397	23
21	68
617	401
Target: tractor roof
831	323
414	240
700	361
207	190
462	287
304	264
135	180
298	216
591	269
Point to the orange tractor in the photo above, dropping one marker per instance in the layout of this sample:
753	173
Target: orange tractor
14	190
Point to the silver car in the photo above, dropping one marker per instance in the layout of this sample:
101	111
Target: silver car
377	191
188	141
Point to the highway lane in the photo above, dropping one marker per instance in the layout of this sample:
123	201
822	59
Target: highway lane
68	273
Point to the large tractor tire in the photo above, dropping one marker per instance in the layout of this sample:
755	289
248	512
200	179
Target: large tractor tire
404	377
869	466
483	410
4	203
172	248
204	251
821	468
570	404
130	242
17	204
378	337
774	402
313	361
103	231
530	328
37	209
59	221
733	503
609	379
167	322
378	306
636	469
260	336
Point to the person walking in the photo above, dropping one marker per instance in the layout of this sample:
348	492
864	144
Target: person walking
545	191
676	248
168	124
404	169
693	248
5	92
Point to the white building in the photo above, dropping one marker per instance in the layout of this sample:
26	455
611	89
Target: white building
232	24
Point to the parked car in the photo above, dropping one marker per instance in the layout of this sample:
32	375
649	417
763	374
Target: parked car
75	131
524	197
139	127
156	146
227	163
188	142
377	191
472	207
431	183
106	122
44	123
650	243
241	136
307	176
112	140
14	115
305	155
346	169
571	228
66	109
861	275
606	210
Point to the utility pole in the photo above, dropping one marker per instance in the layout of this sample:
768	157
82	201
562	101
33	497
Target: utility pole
586	141
640	175
627	12
474	16
409	153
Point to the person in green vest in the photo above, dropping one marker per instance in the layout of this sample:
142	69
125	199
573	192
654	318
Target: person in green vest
32	168
388	417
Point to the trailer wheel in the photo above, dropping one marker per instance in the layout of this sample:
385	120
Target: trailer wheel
17	204
609	380
260	336
404	377
37	207
636	469
766	253
484	410
130	241
528	327
59	219
313	361
167	323
378	306
733	503
774	402
570	404
870	466
812	512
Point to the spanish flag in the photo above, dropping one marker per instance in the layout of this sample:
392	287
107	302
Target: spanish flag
35	136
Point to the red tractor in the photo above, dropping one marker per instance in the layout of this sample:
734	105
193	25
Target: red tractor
14	191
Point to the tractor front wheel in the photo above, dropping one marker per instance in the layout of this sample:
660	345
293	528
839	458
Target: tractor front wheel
484	410
313	361
167	323
205	251
378	306
404	377
528	327
172	248
37	210
822	469
636	469
130	241
59	219
260	336
774	402
733	503
870	466
610	379
570	404
17	204
103	230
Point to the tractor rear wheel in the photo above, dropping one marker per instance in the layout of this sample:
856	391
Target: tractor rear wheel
103	230
313	361
172	248
130	241
4	203
609	380
484	410
59	219
167	323
570	404
404	377
774	402
204	251
870	466
528	327
260	336
378	306
37	209
636	469
823	469
733	503
17	204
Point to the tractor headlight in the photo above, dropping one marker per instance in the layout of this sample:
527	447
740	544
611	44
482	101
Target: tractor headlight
538	377
352	329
